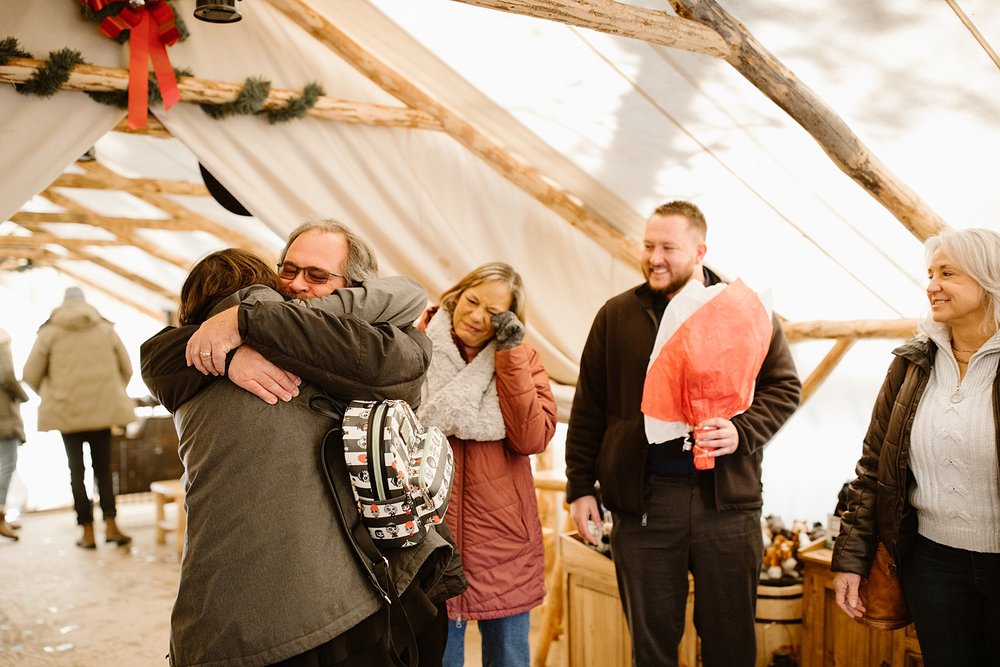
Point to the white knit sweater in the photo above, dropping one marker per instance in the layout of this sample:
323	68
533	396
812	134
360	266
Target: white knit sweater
953	451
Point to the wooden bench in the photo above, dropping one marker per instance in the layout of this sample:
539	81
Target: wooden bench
169	491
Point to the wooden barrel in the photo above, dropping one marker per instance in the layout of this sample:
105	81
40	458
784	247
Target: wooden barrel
779	621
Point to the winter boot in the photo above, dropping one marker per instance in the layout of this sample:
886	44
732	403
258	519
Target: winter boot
5	528
112	534
87	541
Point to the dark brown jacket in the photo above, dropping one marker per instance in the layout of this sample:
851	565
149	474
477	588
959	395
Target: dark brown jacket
878	501
607	438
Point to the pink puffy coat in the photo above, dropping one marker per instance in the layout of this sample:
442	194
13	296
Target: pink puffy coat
493	513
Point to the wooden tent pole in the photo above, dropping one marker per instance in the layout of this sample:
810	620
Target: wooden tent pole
902	329
204	91
618	18
844	147
525	176
824	368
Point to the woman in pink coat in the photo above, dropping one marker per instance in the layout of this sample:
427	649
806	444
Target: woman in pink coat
487	390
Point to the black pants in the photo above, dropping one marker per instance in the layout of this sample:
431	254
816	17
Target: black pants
722	550
367	643
954	595
100	458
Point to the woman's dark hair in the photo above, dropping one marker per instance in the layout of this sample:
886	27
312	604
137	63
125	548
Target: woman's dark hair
220	274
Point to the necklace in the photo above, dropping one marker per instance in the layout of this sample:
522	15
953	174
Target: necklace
966	351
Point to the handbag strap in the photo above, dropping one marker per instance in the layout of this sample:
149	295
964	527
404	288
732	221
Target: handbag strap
375	564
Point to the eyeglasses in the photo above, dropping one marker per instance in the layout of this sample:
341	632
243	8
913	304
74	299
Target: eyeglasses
313	275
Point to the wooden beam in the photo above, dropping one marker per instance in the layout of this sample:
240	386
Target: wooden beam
904	329
178	213
824	368
197	222
152	128
93	219
159	316
113	181
125	232
203	91
36	255
38	239
127	275
568	206
618	18
844	147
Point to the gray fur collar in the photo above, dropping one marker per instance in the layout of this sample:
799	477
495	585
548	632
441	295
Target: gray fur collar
460	399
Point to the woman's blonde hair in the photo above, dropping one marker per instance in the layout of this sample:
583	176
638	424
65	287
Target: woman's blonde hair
220	274
487	273
976	251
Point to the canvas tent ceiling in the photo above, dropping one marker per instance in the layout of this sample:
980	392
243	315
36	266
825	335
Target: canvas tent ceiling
619	123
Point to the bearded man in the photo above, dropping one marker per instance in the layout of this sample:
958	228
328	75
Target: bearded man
669	518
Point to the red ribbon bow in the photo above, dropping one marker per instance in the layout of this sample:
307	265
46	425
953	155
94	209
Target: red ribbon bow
153	30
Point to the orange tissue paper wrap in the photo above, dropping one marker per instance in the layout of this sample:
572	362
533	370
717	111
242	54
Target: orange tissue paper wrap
709	348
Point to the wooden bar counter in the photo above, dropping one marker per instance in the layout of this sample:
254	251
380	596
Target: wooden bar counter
831	639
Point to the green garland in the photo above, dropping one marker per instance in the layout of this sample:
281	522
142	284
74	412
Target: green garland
250	100
49	77
9	48
296	107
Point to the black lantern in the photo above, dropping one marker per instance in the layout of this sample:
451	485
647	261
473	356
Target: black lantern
218	11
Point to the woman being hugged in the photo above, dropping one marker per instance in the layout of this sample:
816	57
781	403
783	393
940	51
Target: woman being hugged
487	390
928	482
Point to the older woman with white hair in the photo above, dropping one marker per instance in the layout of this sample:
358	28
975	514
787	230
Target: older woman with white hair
928	482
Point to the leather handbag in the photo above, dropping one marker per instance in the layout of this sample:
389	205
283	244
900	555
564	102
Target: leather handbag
881	594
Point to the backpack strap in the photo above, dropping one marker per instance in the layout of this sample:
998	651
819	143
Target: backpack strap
376	565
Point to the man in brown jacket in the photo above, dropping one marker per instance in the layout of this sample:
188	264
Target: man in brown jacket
80	368
669	518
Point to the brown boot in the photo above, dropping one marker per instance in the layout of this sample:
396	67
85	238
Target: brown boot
5	528
112	534
87	541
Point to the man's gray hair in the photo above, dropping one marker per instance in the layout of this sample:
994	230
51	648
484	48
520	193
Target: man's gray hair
360	265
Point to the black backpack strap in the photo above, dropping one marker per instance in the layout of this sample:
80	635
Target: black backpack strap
374	563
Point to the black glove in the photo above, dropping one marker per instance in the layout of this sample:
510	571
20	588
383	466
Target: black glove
509	330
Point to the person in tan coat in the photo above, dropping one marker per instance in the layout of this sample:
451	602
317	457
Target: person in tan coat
80	368
11	428
487	391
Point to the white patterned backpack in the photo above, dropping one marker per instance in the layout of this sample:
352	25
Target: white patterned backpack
400	471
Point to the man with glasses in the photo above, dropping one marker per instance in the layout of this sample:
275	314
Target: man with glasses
348	334
319	258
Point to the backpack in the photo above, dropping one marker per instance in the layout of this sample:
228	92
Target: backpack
401	471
